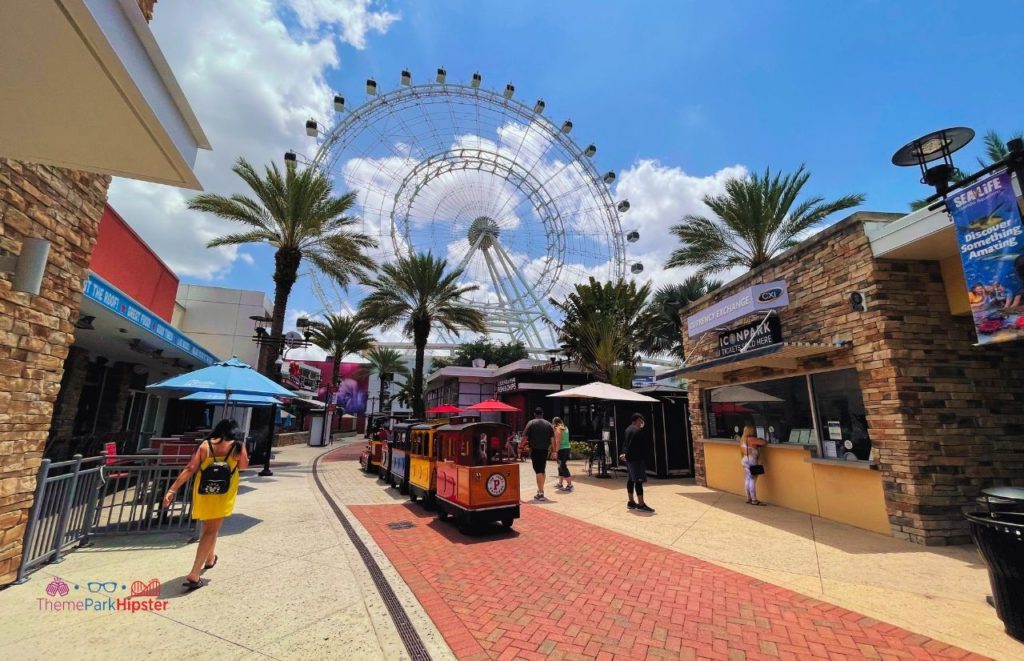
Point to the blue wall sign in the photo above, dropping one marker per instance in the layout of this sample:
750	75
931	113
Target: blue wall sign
98	290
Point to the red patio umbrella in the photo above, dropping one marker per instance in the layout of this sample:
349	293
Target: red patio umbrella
492	406
445	408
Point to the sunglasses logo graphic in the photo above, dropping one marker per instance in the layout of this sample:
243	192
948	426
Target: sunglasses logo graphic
109	587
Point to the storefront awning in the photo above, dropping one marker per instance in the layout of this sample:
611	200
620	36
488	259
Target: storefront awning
784	355
87	87
308	402
113	325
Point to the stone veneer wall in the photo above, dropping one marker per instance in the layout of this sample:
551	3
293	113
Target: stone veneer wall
64	207
941	412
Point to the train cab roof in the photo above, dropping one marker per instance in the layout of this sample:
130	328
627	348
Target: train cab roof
407	424
430	424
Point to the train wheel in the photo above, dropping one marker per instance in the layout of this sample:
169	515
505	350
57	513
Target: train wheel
442	515
507	523
412	497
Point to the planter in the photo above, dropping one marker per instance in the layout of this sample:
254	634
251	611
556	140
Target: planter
1000	538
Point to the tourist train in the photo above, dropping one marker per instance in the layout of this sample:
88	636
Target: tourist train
457	466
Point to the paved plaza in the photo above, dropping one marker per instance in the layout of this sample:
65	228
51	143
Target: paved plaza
578	577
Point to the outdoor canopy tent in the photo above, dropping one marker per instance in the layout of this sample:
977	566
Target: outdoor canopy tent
599	390
608	393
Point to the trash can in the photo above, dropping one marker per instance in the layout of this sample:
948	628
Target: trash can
999	534
1002	499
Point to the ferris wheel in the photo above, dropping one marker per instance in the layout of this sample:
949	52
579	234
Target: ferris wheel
484	180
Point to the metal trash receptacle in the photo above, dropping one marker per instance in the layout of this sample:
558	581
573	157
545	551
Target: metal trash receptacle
999	534
1002	499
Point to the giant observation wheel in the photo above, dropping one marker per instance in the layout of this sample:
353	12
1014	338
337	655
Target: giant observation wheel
484	180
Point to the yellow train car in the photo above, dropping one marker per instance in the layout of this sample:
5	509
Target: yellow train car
423	461
476	481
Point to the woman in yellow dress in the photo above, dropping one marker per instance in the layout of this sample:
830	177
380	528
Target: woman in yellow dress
220	446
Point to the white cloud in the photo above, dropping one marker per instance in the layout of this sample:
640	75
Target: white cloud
660	196
352	18
252	84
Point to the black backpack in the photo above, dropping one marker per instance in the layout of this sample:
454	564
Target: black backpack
215	479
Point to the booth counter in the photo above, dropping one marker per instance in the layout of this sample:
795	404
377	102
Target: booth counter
845	491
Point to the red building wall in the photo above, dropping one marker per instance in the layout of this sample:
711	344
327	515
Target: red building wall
125	261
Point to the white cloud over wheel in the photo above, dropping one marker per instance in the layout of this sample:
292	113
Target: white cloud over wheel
253	71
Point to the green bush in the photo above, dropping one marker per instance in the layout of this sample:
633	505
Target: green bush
579	450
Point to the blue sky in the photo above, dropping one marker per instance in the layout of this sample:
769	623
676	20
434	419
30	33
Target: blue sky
695	86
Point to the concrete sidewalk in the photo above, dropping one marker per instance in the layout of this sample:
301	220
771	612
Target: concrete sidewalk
288	585
291	585
938	592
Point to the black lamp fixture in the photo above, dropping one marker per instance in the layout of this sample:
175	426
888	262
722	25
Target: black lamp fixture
293	339
935	146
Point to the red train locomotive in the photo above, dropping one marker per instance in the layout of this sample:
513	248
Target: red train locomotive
476	481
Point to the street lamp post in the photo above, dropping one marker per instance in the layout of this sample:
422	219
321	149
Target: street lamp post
279	346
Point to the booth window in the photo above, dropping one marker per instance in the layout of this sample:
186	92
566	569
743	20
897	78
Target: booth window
841	415
779	410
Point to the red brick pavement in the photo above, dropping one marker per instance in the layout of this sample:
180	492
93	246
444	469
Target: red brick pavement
346	453
559	588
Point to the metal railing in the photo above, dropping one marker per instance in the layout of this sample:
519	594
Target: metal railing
117	494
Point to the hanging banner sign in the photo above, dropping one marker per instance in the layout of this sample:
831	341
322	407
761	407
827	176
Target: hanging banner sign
506	385
991	238
756	334
752	299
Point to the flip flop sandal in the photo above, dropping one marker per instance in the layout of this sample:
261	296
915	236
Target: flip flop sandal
759	503
212	564
194	585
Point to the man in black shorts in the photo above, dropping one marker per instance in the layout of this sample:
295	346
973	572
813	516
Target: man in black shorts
540	436
634	453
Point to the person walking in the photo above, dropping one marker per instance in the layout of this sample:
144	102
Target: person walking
563	445
750	445
634	453
540	436
217	460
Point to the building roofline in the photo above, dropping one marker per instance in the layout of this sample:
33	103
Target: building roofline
859	217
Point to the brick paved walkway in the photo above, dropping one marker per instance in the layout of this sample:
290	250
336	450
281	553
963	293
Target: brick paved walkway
559	588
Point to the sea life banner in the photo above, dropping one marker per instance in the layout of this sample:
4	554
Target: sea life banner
991	238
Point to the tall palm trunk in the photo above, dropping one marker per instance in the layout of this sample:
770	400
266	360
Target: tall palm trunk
382	376
419	334
286	271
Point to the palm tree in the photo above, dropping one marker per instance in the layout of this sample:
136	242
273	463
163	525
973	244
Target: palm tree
665	306
405	395
385	362
606	326
995	148
421	291
756	220
340	335
298	214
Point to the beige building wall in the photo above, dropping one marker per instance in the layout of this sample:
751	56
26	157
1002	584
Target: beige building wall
218	319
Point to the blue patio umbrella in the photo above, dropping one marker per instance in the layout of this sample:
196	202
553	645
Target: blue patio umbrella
234	399
231	377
